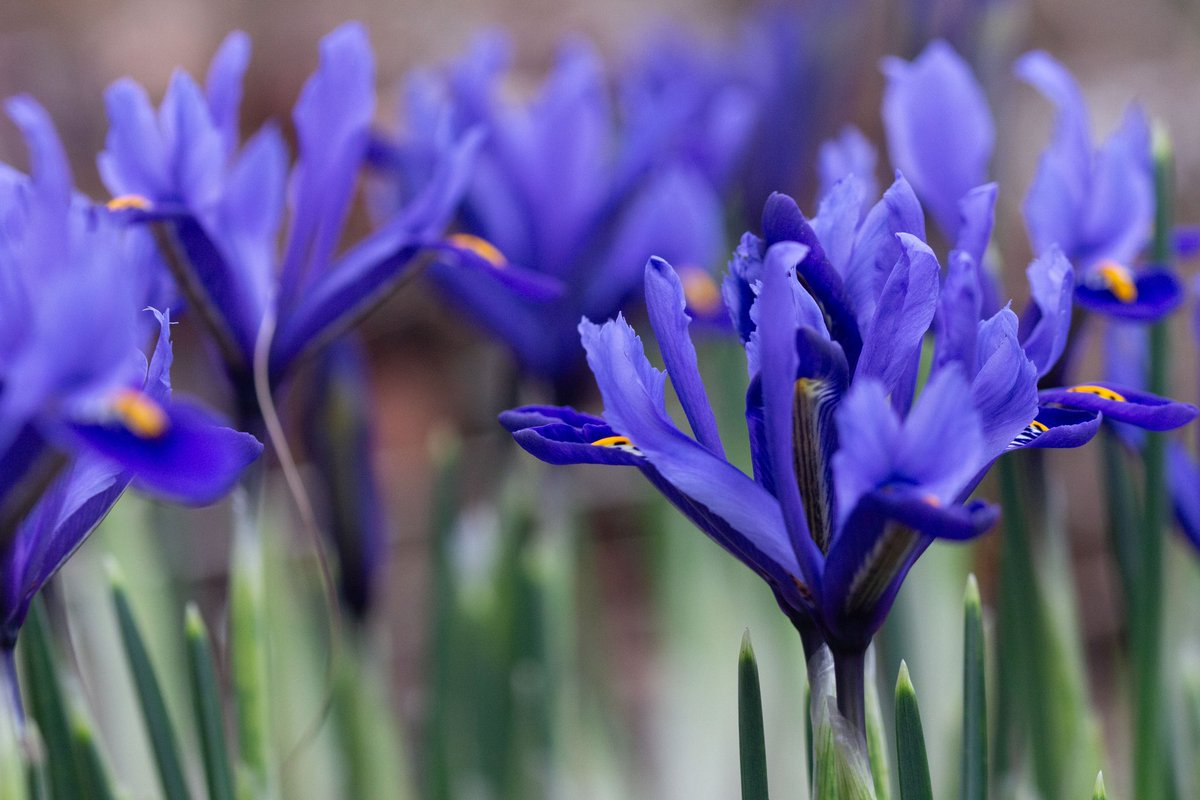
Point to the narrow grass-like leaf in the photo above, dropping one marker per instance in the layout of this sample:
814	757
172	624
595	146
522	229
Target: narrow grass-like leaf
46	704
161	732
206	700
1147	620
1099	793
877	749
809	752
93	775
248	653
912	763
444	623
975	726
13	780
752	739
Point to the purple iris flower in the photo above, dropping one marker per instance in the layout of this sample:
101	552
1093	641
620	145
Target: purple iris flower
939	129
560	190
1096	204
83	414
855	473
221	206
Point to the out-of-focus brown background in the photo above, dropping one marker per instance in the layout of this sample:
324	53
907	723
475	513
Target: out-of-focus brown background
428	365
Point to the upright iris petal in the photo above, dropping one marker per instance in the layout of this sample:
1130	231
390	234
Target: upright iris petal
939	129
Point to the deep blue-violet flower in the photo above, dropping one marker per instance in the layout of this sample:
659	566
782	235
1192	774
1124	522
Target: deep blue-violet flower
220	205
83	414
855	471
1096	204
562	190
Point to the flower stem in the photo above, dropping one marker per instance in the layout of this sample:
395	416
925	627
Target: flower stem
849	670
1147	621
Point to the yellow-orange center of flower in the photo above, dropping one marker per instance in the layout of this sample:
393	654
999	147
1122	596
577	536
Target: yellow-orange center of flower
1099	391
1119	280
122	202
140	414
700	290
480	247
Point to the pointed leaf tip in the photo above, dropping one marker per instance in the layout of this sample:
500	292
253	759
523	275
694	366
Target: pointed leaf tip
752	739
971	597
912	763
1160	140
193	623
1099	793
747	651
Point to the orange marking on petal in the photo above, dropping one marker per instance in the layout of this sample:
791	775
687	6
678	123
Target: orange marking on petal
126	201
1119	280
700	290
480	247
140	414
613	441
1040	427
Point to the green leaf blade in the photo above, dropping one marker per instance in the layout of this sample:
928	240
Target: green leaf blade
159	728
975	725
752	739
206	699
912	762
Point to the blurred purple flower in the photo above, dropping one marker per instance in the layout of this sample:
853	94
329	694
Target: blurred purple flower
223	205
82	413
1096	204
562	193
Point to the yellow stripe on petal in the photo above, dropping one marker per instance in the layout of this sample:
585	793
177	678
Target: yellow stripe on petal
1099	391
1118	279
480	247
127	201
1040	427
139	413
613	441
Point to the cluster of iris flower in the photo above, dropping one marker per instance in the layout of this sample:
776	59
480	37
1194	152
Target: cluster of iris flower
883	381
882	386
83	412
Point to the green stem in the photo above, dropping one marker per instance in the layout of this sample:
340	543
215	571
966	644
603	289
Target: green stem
1021	702
1148	606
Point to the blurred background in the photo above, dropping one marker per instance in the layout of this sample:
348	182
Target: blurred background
664	609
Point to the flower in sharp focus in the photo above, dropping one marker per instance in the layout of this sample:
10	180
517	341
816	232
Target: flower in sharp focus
83	414
855	472
223	204
562	194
